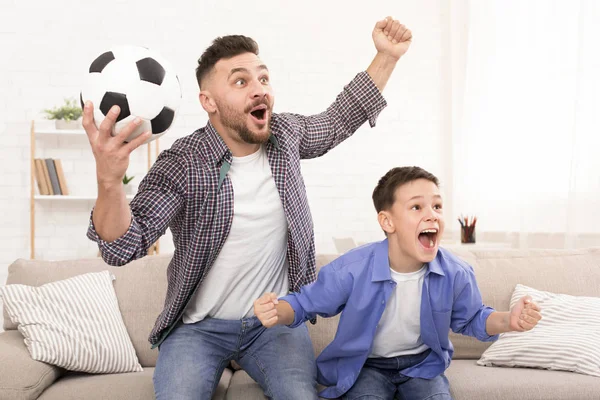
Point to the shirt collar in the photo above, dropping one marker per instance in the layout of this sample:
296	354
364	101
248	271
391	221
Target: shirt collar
435	265
219	149
216	146
222	155
381	269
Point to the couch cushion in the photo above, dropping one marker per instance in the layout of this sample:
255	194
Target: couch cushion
140	287
468	381
73	323
574	272
566	339
130	386
324	259
21	377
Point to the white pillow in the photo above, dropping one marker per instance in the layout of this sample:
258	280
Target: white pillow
75	324
567	338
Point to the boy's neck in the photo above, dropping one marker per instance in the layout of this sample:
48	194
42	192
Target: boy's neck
401	262
403	268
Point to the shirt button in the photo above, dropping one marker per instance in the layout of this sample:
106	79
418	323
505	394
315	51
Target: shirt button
382	301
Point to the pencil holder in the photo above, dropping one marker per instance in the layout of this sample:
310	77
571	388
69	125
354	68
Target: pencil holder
467	234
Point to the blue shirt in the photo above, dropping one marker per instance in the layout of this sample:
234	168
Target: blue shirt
359	283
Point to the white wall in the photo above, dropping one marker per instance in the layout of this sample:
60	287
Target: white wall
312	49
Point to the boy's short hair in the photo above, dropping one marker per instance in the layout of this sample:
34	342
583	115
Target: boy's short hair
223	47
385	191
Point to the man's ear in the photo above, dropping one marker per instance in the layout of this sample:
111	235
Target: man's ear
385	221
207	101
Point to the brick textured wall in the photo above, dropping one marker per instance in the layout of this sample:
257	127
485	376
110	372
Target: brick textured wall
312	49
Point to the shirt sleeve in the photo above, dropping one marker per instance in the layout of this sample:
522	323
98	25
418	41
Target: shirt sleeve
469	314
359	101
326	297
160	197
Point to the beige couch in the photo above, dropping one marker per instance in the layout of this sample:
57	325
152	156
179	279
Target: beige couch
141	285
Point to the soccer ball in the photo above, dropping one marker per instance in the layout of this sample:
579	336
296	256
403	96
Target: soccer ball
140	82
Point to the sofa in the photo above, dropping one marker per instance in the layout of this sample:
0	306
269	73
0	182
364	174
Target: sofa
140	287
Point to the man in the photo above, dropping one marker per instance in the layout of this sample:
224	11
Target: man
233	196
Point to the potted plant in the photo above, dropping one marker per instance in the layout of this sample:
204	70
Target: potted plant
126	185
66	116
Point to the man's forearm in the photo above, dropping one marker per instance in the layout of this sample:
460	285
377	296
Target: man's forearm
381	69
112	215
285	313
497	322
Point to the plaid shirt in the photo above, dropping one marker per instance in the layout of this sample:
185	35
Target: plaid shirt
188	191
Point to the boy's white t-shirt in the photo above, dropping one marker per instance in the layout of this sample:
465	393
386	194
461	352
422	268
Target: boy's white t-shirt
399	329
253	259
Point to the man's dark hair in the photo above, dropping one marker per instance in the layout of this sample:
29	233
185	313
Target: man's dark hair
384	193
223	47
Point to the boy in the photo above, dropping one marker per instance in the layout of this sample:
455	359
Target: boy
398	299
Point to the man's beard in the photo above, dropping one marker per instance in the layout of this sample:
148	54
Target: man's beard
237	122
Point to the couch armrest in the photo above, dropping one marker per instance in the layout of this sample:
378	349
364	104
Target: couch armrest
21	377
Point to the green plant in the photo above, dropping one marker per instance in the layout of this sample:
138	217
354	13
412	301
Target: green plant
127	179
70	111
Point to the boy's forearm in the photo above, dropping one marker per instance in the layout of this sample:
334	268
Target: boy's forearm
285	313
497	322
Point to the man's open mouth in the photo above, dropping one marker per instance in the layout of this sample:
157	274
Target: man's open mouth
428	238
259	112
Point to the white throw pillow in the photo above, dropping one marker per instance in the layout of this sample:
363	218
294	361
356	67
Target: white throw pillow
567	338
75	324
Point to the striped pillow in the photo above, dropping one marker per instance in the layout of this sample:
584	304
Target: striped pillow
567	338
75	324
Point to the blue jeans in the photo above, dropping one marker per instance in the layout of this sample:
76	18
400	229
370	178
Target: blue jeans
380	379
192	358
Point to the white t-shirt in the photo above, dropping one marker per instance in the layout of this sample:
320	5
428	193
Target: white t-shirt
399	329
253	259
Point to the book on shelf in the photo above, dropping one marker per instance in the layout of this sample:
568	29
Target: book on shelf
53	176
61	178
47	177
50	177
40	177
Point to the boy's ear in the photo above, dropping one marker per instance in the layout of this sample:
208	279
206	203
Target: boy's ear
385	221
207	101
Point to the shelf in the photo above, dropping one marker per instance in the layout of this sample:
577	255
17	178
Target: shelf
47	203
71	198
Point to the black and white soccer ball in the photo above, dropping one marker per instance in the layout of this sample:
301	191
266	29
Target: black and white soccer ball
141	82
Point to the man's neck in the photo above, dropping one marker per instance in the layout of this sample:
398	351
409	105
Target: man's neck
238	147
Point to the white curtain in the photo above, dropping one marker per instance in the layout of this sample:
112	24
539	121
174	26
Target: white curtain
526	125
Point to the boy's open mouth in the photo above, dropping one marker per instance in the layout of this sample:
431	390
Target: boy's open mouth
428	238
